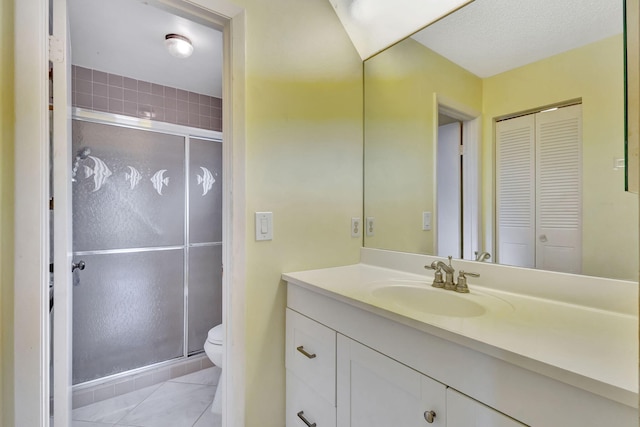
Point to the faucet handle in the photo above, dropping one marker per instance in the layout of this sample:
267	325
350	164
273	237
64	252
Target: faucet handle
467	273
462	281
437	277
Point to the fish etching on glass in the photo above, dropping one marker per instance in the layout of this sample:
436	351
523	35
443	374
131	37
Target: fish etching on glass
100	173
206	180
159	181
133	177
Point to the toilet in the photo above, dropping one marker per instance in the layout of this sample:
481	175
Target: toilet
213	349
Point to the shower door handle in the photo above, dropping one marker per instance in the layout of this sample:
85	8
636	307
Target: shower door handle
80	265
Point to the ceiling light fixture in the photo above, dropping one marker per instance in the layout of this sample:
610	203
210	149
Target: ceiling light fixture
178	45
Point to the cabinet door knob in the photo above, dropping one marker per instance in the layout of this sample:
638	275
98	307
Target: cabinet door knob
306	353
429	416
302	417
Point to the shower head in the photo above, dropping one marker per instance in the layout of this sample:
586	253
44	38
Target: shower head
83	153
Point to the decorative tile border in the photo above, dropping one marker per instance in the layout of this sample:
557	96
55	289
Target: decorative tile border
100	91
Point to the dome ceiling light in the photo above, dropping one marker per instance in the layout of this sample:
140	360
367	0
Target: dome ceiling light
178	45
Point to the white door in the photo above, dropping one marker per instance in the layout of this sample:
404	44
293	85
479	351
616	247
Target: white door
62	229
462	411
449	191
559	189
515	191
376	391
538	190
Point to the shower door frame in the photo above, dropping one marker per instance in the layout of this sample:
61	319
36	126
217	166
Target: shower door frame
29	339
186	132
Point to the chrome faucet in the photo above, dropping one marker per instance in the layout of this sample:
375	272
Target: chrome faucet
449	271
440	266
482	256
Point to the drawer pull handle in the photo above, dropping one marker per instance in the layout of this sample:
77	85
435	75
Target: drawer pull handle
301	416
429	416
303	351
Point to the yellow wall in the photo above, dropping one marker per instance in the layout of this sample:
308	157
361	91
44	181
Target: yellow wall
400	116
595	74
6	212
304	164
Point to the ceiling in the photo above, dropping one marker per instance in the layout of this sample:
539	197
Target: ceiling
373	25
488	37
126	37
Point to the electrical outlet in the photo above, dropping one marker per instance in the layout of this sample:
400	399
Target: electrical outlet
356	227
369	224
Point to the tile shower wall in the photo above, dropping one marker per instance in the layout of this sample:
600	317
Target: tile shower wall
100	91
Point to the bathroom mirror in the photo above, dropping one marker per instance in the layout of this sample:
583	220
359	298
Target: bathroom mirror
440	178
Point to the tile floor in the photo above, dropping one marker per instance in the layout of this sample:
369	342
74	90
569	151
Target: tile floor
181	402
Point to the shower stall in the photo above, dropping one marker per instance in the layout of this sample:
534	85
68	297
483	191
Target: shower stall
147	223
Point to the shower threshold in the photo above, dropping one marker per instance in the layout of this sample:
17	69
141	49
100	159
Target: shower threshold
115	385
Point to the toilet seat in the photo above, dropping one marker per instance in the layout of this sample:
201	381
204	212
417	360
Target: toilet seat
215	335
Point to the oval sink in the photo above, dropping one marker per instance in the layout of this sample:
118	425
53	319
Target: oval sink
421	298
430	300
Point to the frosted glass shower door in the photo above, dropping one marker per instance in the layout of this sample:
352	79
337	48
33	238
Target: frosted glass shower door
205	240
129	227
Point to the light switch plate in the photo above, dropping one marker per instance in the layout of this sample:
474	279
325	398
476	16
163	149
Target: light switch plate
264	226
356	227
426	221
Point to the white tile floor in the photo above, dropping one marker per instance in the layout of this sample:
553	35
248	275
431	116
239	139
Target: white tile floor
181	402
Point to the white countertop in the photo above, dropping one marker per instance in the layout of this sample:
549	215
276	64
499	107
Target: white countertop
592	348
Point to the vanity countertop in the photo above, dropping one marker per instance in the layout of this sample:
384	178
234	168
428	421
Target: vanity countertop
587	347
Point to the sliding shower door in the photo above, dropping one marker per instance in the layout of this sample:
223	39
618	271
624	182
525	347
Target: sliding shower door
134	209
205	240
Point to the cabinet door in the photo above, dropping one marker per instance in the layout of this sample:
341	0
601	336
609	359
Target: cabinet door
374	390
462	411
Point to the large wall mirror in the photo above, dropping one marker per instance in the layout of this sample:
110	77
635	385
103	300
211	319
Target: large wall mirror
501	129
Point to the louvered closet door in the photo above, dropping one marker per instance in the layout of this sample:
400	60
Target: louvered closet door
559	190
515	191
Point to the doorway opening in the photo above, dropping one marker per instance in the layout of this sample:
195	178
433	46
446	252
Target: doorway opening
457	180
141	112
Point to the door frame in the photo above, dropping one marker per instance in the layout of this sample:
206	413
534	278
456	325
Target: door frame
31	250
471	137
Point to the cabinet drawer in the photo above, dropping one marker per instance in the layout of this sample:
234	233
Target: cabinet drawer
311	354
304	402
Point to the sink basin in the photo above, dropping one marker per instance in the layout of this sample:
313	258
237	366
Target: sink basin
425	299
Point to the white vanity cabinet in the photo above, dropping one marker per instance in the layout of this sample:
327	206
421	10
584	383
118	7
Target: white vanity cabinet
333	380
350	364
462	411
376	391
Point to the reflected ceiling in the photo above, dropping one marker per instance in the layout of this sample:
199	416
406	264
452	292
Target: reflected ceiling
514	39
